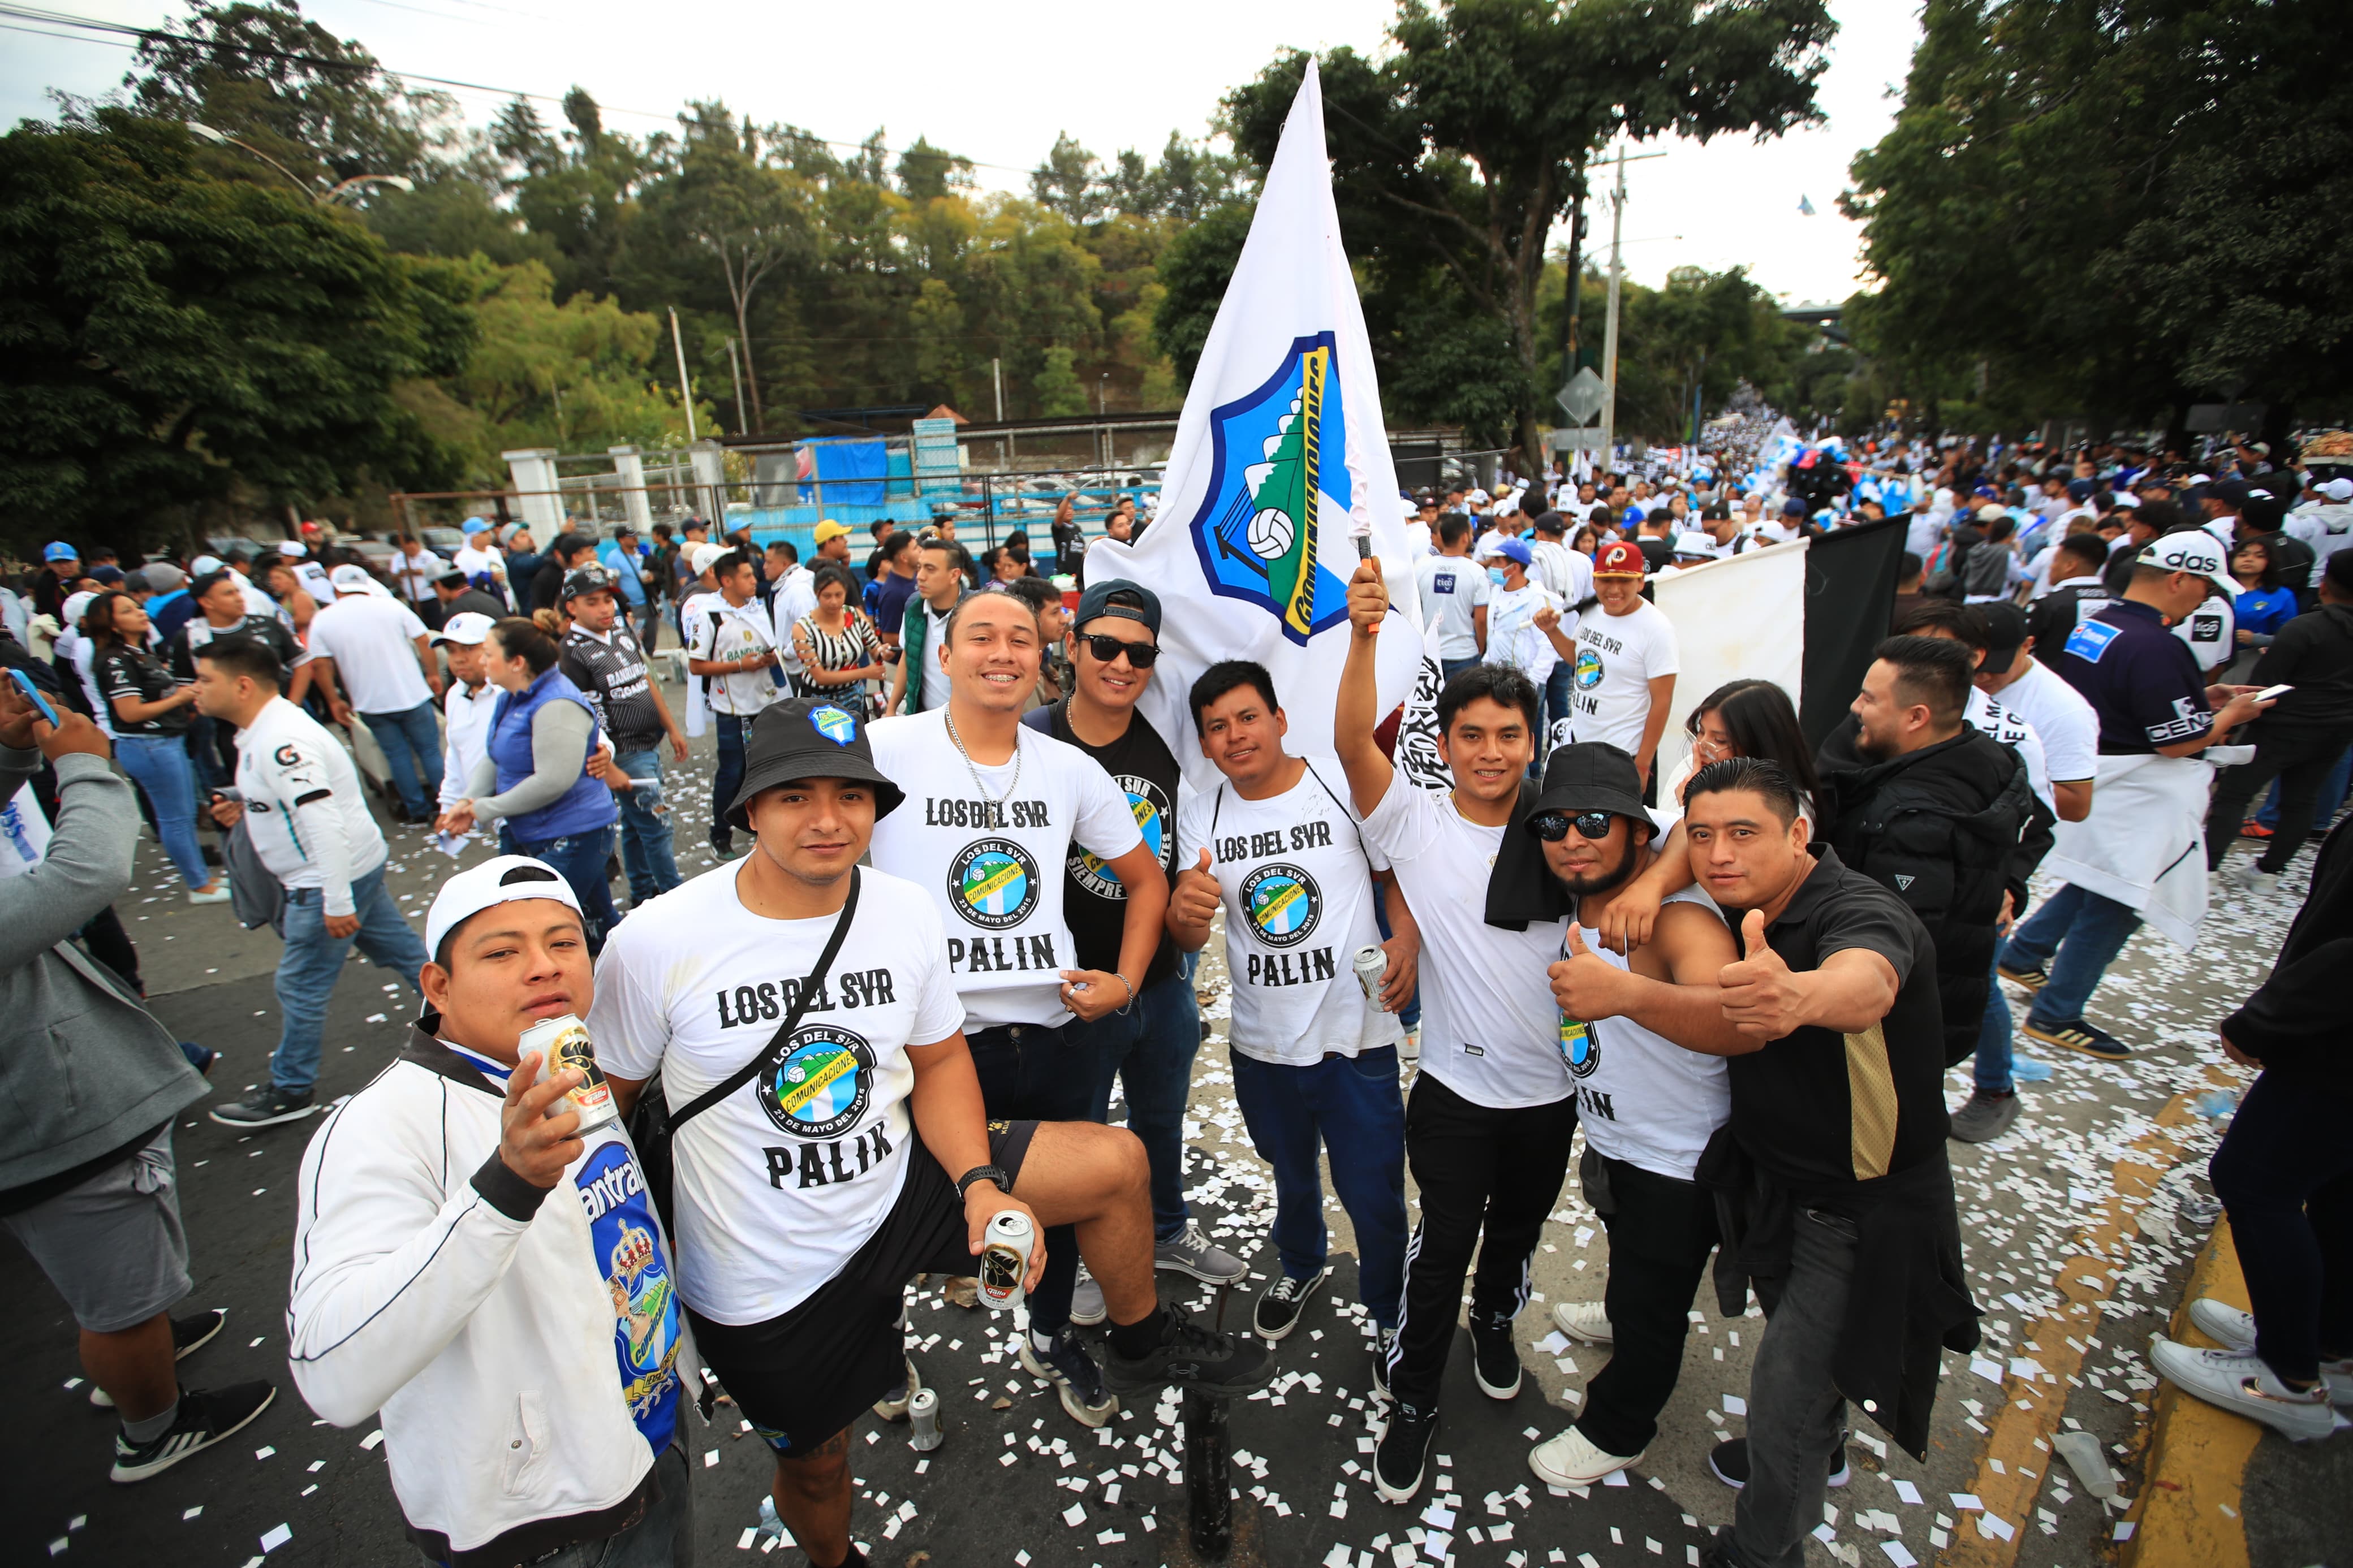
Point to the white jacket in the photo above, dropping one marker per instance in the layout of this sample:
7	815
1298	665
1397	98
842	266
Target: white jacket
486	1340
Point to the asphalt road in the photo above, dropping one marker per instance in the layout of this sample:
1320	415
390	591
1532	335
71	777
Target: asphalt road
2071	1223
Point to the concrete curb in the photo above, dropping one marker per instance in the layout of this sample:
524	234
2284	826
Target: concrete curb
2188	1514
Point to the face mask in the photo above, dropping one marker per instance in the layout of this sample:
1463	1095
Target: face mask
1495	575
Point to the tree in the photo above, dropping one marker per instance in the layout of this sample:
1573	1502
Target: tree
1069	181
2140	192
1460	152
175	341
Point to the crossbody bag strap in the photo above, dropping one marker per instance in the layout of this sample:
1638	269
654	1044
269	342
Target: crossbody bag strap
809	988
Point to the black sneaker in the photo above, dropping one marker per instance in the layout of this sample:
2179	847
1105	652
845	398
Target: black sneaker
2029	979
1224	1366
2079	1034
206	1418
266	1106
1074	1374
1729	1461
1404	1451
1494	1359
1277	1309
189	1334
1384	1347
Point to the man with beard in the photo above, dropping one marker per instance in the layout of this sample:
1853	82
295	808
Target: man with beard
1643	1032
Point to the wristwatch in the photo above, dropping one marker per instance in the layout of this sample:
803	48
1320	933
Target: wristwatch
984	1173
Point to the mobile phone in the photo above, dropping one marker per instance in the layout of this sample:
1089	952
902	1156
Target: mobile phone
33	695
2268	694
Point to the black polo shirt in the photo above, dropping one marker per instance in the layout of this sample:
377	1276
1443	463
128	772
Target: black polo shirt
1817	1109
2141	679
1094	905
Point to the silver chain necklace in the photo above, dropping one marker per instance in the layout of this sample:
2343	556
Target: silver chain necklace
996	801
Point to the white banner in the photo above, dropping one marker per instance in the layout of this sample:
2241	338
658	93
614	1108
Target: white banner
1281	463
1743	618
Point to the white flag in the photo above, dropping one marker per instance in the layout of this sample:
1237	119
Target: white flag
1281	463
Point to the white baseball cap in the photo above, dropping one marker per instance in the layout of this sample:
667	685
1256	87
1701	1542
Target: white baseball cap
292	547
706	556
204	564
1695	545
467	628
2192	550
2339	489
351	579
504	879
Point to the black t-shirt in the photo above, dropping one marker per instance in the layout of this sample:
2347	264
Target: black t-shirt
197	634
134	672
610	672
1820	1110
2051	618
2141	679
1094	903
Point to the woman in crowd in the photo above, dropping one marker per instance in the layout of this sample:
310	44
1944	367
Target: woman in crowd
838	645
2262	605
150	712
535	780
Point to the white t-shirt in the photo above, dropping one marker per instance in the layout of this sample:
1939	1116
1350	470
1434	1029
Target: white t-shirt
1512	635
737	631
2211	632
2013	730
2067	725
1617	658
474	562
935	648
414	575
1490	1030
465	736
991	855
1298	882
285	762
1451	587
1566	573
1641	1098
779	1183
373	642
795	597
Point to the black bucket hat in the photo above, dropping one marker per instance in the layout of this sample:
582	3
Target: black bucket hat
808	738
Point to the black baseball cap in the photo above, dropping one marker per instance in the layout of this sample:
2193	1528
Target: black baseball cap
2005	625
1590	775
586	580
1141	603
808	738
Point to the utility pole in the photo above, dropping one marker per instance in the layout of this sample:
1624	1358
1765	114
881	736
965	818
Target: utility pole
735	373
686	388
1004	442
1609	335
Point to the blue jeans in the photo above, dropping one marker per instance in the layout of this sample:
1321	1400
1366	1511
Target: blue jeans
307	969
2333	790
1351	1108
727	777
206	737
159	764
417	777
1150	1049
2075	935
580	860
1040	1073
1994	1035
1450	668
645	827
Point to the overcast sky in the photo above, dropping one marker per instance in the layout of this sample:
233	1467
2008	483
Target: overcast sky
997	84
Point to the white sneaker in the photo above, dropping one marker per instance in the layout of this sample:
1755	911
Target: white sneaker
216	892
2235	1330
1572	1460
1087	1307
1586	1321
2248	877
1409	1048
2234	1380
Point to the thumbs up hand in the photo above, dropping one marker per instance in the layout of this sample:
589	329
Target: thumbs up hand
1585	984
1368	598
1194	900
1763	997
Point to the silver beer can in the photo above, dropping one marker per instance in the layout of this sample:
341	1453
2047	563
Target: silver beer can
1005	1258
924	1419
1371	967
563	1042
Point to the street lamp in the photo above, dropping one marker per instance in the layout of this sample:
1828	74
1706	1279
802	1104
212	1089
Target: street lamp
324	198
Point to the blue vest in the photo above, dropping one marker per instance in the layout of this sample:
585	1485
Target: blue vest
587	805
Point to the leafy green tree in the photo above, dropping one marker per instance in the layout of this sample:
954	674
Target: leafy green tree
176	341
1069	182
1058	389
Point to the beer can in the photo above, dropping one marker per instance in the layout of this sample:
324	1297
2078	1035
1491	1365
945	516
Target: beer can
563	1042
1005	1258
924	1419
1372	967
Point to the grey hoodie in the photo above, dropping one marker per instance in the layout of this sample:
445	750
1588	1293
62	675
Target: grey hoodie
84	1067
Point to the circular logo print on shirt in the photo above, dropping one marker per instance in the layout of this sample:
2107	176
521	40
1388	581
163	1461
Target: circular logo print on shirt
1283	904
1150	806
820	1088
1588	669
993	884
1579	1045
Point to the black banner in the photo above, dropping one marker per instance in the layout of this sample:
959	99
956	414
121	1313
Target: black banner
1850	597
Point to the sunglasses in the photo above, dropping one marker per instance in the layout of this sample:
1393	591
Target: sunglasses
1105	648
1554	825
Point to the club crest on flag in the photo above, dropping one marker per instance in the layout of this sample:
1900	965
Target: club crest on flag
1277	472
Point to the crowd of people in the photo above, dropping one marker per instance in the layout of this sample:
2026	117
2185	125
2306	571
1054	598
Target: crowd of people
972	892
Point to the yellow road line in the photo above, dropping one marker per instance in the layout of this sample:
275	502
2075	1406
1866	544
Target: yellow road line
2197	1453
2031	1411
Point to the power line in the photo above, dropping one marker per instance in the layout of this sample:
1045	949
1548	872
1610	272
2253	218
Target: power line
255	51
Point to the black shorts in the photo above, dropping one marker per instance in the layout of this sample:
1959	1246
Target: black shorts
803	1376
